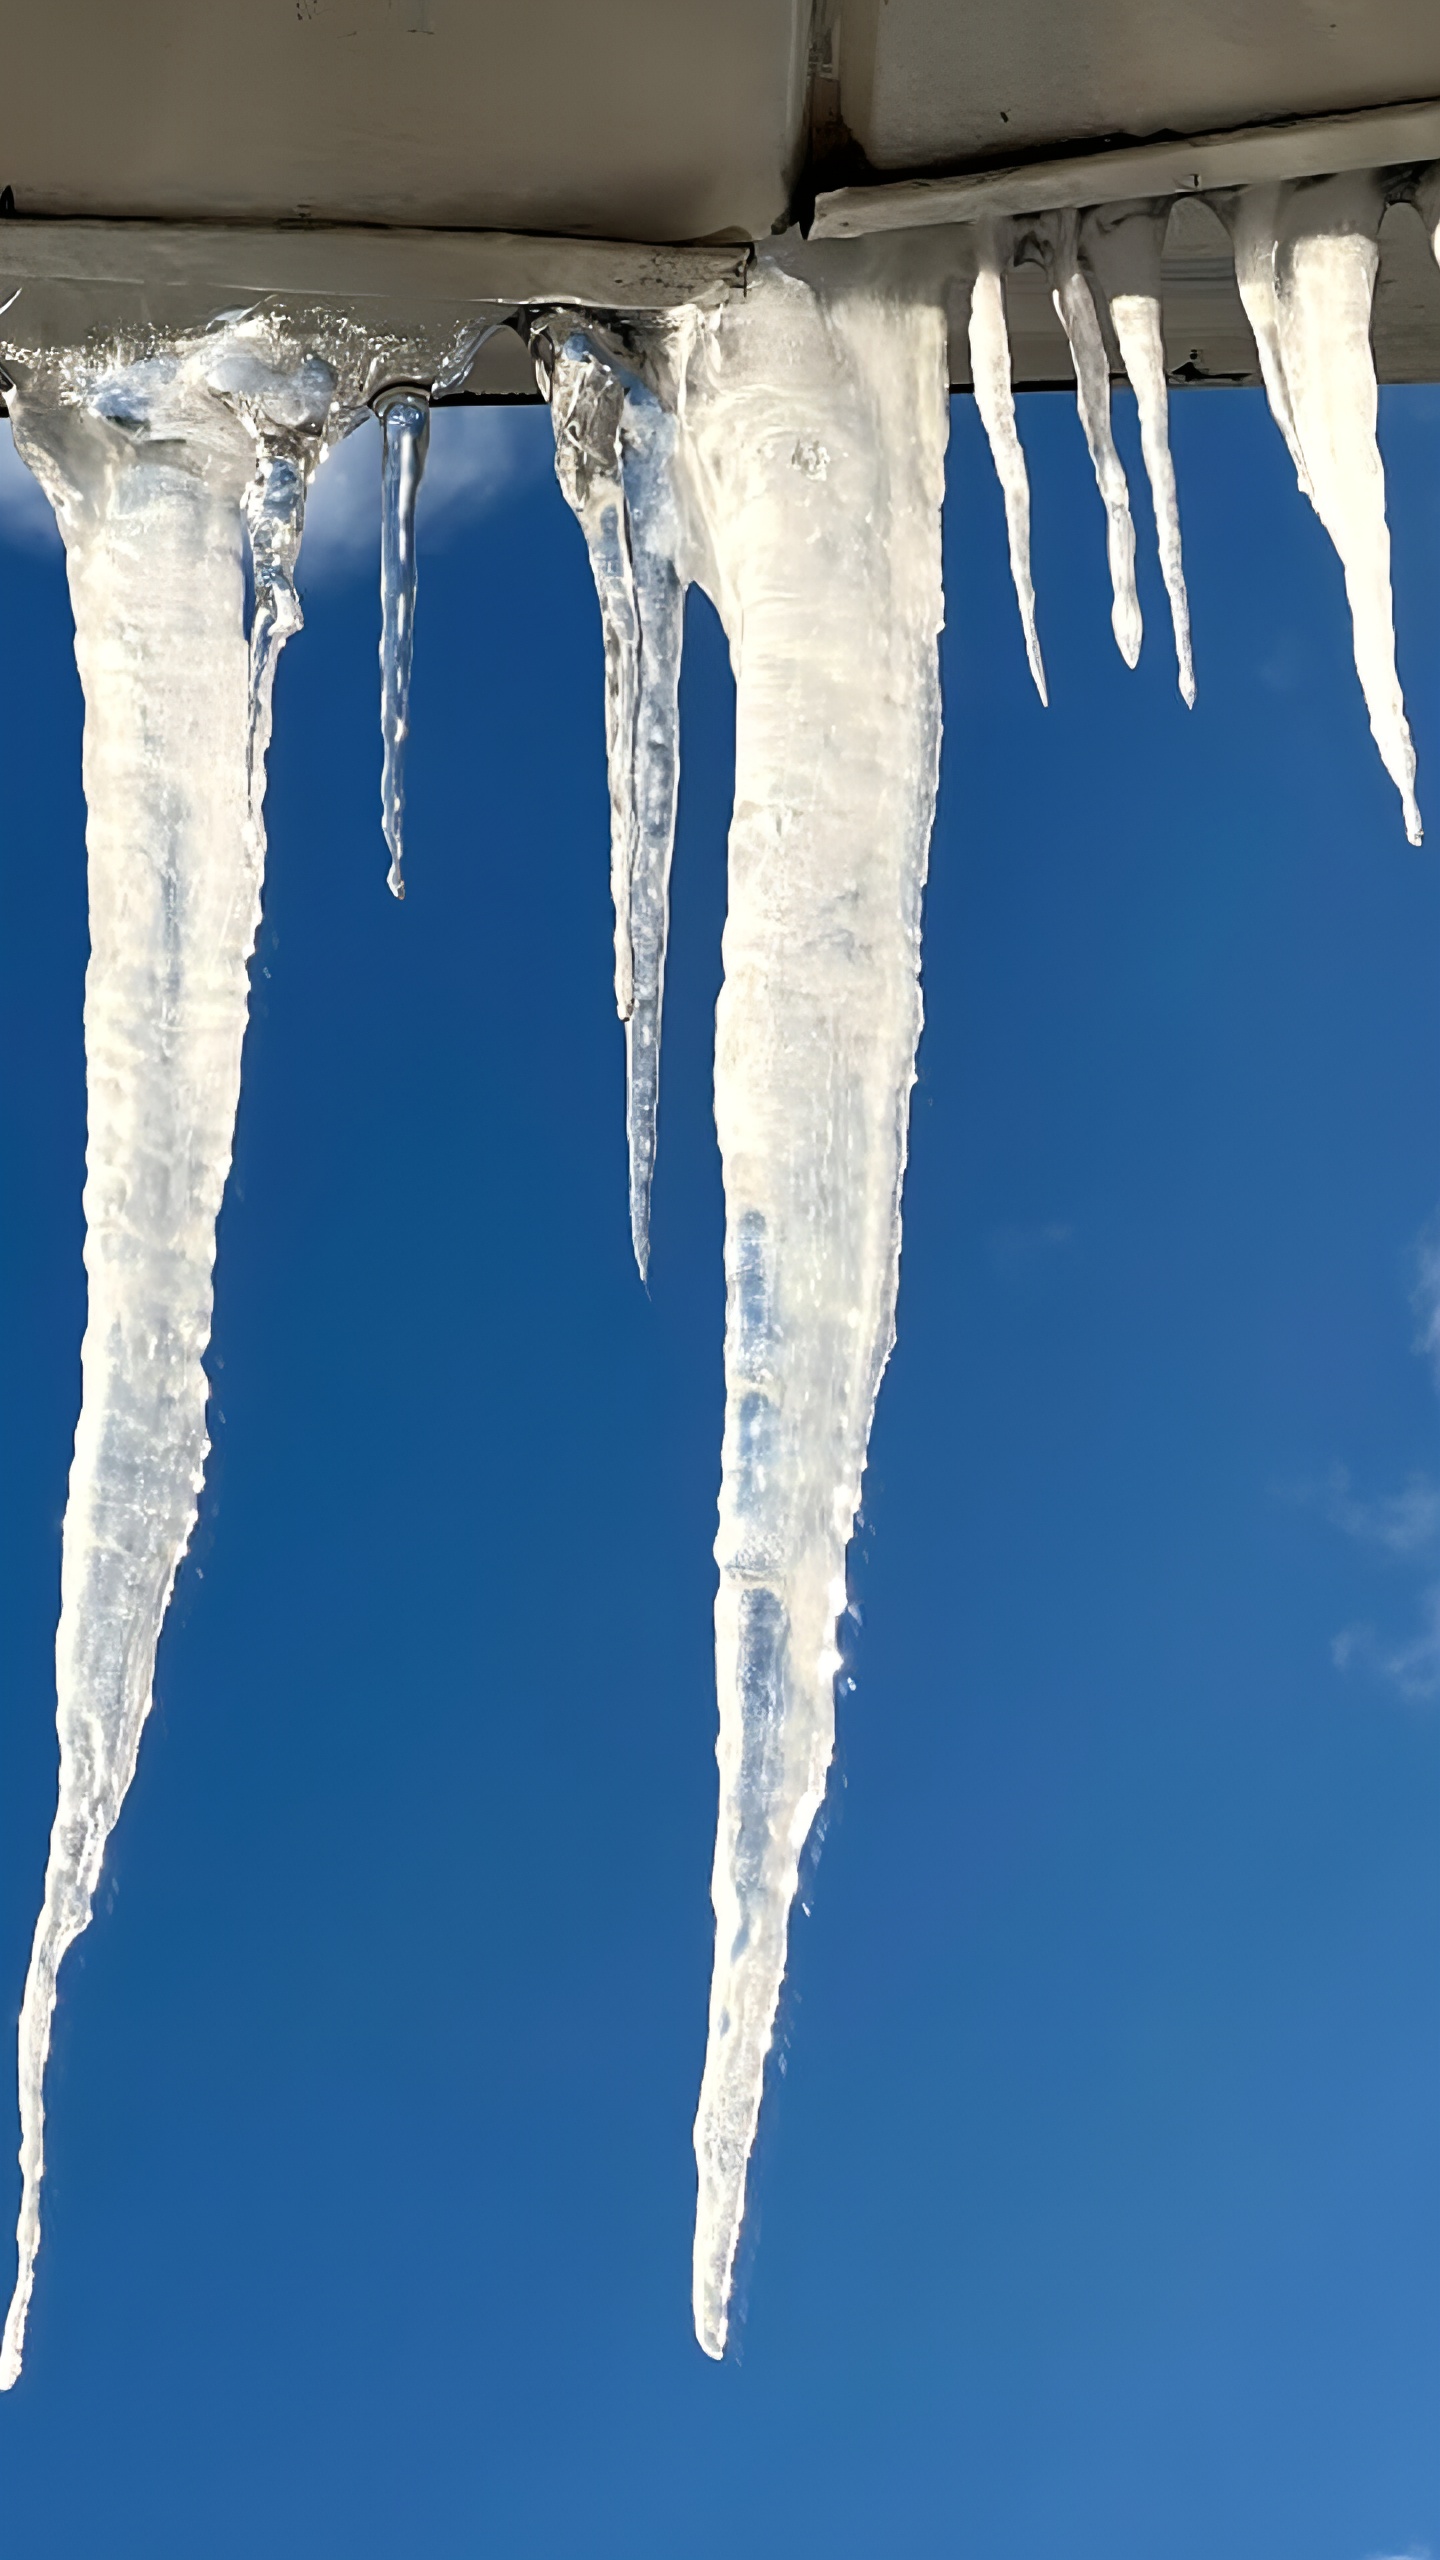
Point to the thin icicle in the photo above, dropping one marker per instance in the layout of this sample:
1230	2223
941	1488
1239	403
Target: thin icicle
1325	259
404	414
814	425
1122	245
1058	237
1252	217
152	475
275	520
990	374
614	455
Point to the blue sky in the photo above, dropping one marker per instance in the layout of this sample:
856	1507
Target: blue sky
1099	2198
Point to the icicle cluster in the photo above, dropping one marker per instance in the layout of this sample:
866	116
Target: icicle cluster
786	454
1306	259
163	469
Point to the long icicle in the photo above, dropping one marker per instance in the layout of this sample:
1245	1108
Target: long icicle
1059	236
404	414
814	420
1122	246
151	477
994	398
614	452
1326	257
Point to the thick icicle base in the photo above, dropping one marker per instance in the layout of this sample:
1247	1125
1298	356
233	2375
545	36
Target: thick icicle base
815	416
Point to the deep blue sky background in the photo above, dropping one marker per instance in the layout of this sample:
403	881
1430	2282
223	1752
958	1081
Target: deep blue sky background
1099	2207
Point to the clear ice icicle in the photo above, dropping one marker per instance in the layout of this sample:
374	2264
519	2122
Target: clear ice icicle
275	520
994	398
614	456
1122	246
404	414
1058	236
152	476
1326	256
814	420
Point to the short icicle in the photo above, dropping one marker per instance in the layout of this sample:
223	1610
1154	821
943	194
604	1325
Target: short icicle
1326	257
404	414
614	451
152	475
994	398
1058	238
814	420
1252	217
1122	246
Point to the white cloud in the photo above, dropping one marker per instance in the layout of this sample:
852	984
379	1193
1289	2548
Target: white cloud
477	457
1405	1523
1425	1296
1412	1667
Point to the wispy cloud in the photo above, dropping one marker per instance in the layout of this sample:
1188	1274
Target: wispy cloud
1425	1294
478	458
1404	1524
1412	1667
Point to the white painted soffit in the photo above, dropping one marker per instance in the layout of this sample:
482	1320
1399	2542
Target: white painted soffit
668	120
939	84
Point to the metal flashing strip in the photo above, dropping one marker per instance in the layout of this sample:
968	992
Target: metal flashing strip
1310	147
344	264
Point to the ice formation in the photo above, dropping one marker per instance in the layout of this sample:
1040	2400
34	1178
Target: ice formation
994	398
1057	239
405	436
785	452
1313	247
159	466
1123	244
614	453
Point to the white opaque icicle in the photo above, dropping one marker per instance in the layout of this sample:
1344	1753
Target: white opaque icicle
814	421
1058	236
614	456
994	398
152	475
1122	246
404	414
1252	216
1326	257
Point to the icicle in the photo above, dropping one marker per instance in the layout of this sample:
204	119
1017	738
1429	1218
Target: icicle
275	520
614	448
404	414
1252	216
814	423
990	374
1325	258
152	477
1122	246
1058	238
